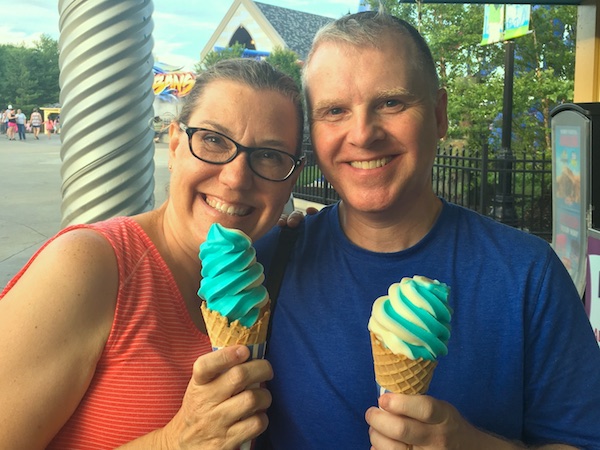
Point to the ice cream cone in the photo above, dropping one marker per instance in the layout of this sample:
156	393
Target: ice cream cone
399	374
222	333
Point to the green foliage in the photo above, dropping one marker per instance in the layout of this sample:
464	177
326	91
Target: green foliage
287	61
213	57
473	74
30	75
284	59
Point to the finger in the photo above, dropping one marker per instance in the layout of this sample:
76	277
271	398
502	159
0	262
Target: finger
282	222
247	429
246	403
380	441
244	376
310	211
295	219
211	365
387	427
423	408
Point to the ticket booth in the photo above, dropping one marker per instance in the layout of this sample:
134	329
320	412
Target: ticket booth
576	199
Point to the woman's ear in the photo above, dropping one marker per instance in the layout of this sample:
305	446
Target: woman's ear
174	136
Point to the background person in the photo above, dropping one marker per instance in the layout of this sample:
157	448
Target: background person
21	118
48	127
522	363
112	353
11	119
36	122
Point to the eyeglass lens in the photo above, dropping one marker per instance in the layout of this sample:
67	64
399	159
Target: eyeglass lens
268	163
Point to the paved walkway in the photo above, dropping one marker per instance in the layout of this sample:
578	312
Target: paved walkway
30	197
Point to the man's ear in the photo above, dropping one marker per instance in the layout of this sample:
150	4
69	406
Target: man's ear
441	112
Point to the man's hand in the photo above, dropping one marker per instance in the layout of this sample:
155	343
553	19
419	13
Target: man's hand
295	218
420	422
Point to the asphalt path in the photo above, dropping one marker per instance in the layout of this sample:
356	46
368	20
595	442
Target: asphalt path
30	196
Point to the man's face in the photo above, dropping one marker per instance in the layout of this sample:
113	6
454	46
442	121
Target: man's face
375	124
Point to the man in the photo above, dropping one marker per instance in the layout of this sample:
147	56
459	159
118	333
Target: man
21	118
522	367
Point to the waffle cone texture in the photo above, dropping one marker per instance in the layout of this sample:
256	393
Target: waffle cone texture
399	374
222	333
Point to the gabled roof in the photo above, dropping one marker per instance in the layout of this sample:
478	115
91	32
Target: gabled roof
297	29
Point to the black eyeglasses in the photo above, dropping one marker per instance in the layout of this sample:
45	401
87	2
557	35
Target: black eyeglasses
216	148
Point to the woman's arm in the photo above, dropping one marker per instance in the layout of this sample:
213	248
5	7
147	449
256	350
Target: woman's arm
53	326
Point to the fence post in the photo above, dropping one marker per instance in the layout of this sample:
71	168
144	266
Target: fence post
484	176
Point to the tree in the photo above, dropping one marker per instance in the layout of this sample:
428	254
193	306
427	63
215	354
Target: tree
213	57
473	74
287	61
30	75
283	59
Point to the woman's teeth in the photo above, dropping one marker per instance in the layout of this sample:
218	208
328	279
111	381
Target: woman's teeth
227	209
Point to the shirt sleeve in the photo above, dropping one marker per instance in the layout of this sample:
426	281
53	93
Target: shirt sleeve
562	364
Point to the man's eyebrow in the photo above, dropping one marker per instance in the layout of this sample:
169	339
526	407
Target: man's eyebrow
326	104
397	92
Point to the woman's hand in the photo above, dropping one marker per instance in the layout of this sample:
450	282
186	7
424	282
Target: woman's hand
221	408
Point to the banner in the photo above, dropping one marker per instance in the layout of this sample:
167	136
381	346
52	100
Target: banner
504	22
516	21
493	24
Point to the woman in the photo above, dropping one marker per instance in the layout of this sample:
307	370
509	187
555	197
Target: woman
12	123
36	122
101	333
48	127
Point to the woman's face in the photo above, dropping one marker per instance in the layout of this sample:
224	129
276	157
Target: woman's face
231	194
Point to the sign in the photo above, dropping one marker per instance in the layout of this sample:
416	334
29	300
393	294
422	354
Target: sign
504	22
592	293
570	150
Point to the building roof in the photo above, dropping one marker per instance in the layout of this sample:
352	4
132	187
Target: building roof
296	28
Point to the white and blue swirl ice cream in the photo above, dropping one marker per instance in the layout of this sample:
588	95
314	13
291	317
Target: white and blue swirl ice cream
410	329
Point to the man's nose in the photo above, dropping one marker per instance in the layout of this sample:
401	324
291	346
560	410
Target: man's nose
365	129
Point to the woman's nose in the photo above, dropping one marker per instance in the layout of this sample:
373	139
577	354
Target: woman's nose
237	173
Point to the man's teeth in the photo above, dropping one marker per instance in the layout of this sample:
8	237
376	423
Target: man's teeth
227	209
370	164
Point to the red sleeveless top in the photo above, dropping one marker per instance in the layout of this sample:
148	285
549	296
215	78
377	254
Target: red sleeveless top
146	364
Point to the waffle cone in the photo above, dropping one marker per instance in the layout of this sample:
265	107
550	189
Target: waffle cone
222	333
399	374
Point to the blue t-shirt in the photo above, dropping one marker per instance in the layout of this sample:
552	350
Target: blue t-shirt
522	359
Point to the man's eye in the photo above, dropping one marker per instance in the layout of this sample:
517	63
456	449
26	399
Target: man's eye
392	103
335	111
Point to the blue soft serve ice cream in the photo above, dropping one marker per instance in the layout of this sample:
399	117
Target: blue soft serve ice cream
231	277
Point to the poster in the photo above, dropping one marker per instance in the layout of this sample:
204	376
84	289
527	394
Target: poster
592	293
569	229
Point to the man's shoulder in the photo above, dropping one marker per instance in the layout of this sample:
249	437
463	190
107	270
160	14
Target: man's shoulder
485	232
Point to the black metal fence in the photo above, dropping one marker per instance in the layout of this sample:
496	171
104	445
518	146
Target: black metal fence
513	188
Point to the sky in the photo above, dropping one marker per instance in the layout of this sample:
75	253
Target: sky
181	27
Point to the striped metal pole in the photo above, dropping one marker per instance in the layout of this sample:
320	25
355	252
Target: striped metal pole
106	95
